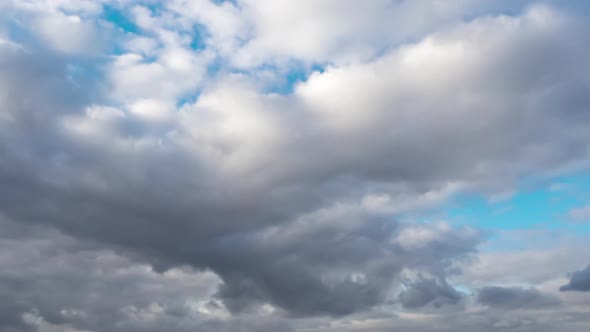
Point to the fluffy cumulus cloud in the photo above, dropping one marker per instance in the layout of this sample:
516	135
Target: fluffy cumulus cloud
264	165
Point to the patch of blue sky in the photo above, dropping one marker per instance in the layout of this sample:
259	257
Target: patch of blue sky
188	99
119	18
499	8
122	22
542	207
220	2
294	76
123	25
199	37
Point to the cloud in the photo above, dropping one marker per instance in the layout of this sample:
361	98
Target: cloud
580	213
112	292
514	297
69	34
426	291
579	281
536	263
254	33
177	193
338	271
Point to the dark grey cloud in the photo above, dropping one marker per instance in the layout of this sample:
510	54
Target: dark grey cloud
514	297
340	272
579	281
67	283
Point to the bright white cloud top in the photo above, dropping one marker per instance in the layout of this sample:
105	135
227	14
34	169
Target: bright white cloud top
283	165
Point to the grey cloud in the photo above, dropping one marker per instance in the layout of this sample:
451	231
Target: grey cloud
425	291
486	320
514	297
66	282
267	191
349	267
579	281
11	314
134	202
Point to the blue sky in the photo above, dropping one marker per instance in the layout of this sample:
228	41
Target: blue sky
541	206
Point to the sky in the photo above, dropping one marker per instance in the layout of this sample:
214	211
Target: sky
285	166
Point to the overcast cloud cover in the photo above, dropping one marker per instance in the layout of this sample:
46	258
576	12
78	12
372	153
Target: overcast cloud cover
294	165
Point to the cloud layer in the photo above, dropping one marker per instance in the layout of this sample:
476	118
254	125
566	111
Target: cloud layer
198	165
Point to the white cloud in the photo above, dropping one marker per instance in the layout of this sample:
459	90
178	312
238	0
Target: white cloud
175	72
69	34
334	31
153	109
